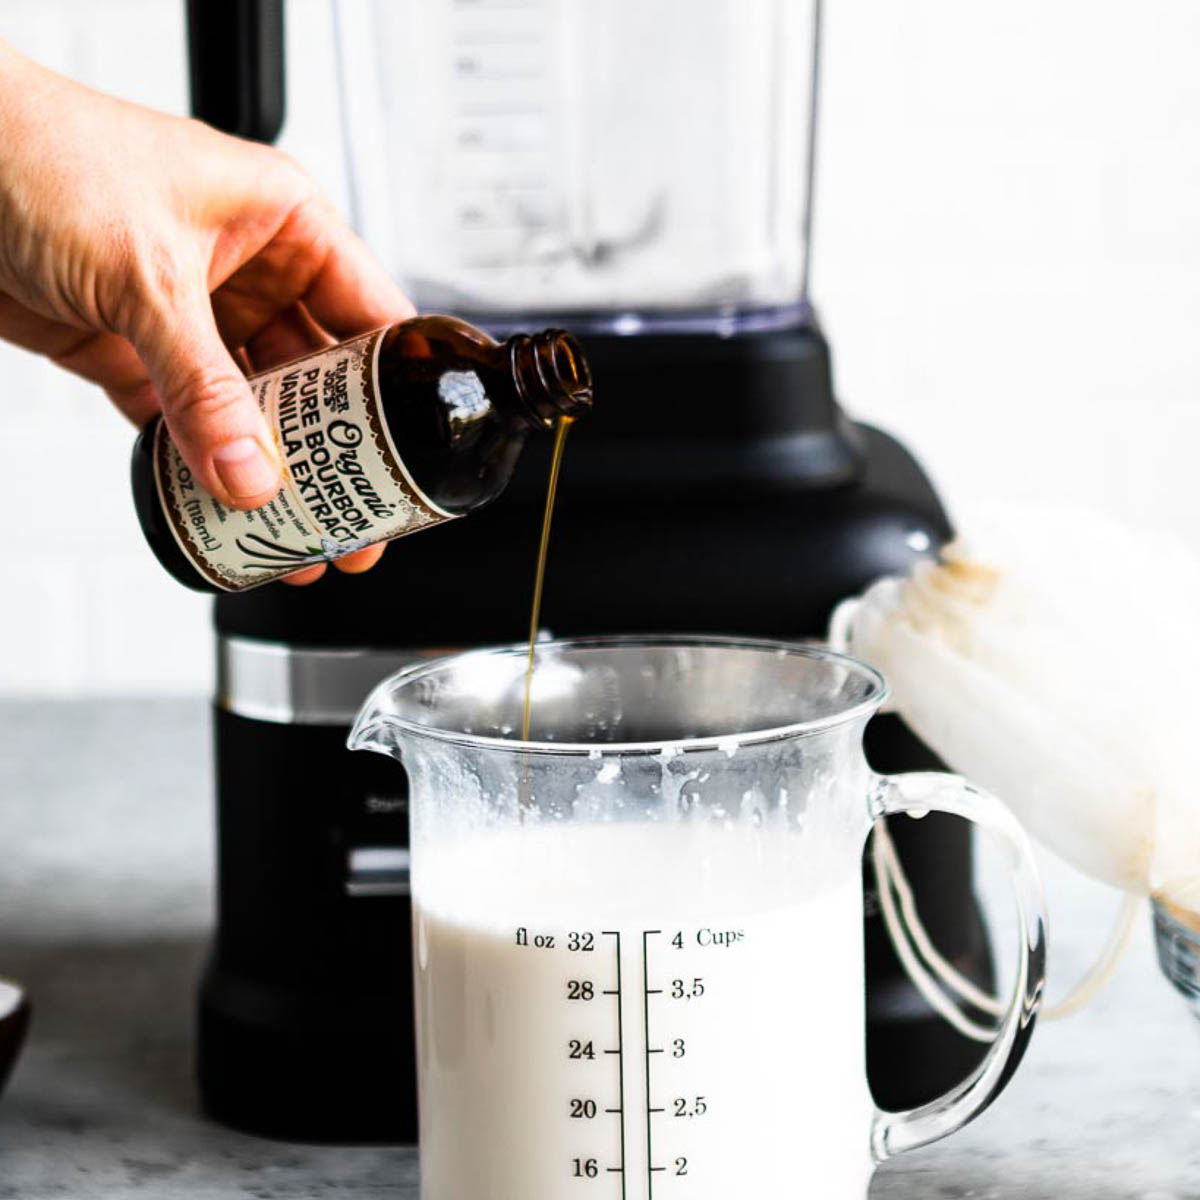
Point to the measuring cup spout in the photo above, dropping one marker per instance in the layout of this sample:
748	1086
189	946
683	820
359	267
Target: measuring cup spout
379	736
377	727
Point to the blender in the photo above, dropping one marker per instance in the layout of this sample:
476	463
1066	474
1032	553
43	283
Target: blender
640	172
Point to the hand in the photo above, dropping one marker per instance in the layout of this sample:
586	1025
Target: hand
162	260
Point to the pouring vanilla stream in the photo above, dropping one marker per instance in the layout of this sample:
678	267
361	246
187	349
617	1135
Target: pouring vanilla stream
560	440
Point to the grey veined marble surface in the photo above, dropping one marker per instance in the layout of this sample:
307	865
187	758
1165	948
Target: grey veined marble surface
105	902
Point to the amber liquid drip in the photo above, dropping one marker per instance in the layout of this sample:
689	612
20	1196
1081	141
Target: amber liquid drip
560	440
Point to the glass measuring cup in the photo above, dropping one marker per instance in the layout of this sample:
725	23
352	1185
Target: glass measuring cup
638	936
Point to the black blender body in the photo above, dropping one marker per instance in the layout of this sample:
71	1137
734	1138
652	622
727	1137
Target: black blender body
716	487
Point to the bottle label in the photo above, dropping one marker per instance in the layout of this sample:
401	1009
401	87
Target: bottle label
345	484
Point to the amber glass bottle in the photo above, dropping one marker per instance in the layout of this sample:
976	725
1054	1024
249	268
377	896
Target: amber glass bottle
380	436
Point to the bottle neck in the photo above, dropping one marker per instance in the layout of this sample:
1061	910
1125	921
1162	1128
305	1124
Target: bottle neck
550	377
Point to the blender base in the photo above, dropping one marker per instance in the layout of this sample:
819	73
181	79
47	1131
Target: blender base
302	1068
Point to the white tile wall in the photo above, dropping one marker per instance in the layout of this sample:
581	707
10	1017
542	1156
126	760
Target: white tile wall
1008	243
1007	260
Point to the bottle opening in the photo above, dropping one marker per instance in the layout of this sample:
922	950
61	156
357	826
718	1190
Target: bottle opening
569	363
552	374
564	370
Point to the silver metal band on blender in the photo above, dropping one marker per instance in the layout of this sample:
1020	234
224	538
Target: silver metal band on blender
289	685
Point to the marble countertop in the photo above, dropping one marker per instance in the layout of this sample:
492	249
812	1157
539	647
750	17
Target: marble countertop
105	907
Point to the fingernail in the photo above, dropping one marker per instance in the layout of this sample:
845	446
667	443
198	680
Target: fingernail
245	468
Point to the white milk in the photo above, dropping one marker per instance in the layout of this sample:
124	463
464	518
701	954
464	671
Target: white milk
640	1012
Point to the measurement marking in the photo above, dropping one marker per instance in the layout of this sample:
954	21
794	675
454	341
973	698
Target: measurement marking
654	991
646	934
617	1051
515	108
658	1110
656	1050
616	934
610	992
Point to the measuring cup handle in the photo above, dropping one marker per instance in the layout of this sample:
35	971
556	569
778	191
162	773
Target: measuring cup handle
916	794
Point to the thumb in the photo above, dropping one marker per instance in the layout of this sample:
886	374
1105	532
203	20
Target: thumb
208	406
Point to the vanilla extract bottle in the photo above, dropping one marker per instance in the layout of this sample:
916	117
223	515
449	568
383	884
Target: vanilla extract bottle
381	436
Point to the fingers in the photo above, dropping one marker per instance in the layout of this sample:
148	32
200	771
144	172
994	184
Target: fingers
350	564
209	408
360	560
351	292
292	334
303	578
103	358
315	259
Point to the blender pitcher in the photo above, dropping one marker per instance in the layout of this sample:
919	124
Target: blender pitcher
627	166
638	935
